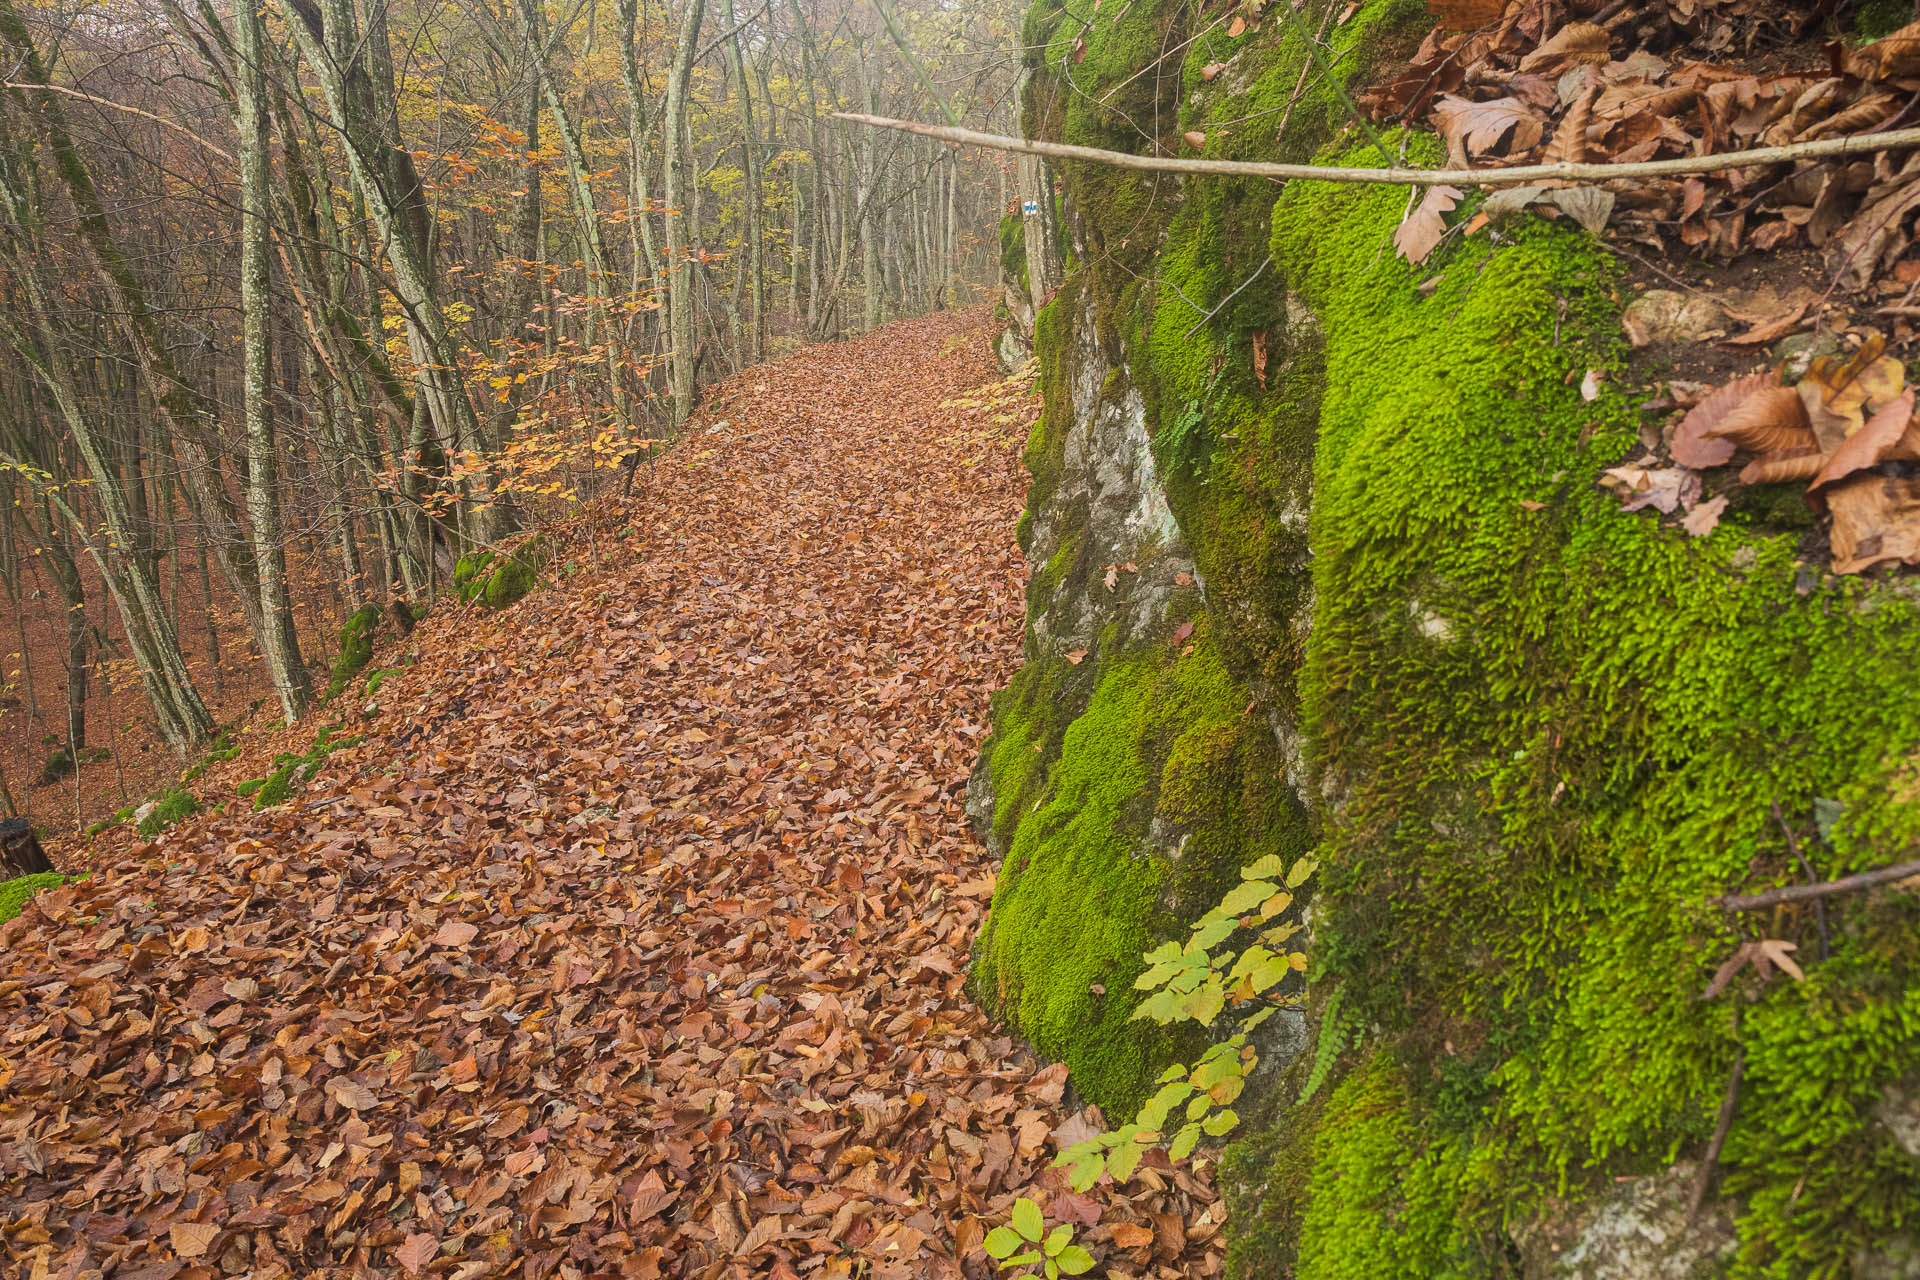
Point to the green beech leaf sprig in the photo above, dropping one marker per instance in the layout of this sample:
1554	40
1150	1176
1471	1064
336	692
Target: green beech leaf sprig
1196	983
1028	1243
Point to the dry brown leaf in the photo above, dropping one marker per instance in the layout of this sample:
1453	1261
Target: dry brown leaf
1837	388
1475	128
1867	446
1665	489
1130	1235
1875	520
1195	139
1705	517
1420	232
1876	236
1574	44
1212	69
416	1251
1588	206
1772	420
454	933
192	1239
1569	143
1466	15
351	1094
1782	469
1891	56
1691	445
1236	27
1768	331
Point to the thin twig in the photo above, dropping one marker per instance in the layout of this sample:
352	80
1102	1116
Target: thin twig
1759	157
1264	264
121	106
1819	907
1813	892
1729	1103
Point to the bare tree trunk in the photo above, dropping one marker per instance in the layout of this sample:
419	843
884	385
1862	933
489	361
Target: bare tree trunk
680	269
750	157
280	644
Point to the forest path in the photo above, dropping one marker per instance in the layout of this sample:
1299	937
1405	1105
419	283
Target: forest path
631	939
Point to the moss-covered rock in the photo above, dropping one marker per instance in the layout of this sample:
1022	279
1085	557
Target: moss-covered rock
1529	735
356	648
499	580
164	810
14	893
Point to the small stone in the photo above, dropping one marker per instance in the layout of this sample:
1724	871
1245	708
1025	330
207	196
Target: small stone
1665	315
1797	351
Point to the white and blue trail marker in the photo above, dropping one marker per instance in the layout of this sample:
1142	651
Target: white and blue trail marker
1031	208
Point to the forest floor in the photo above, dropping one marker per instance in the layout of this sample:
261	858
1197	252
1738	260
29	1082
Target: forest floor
631	938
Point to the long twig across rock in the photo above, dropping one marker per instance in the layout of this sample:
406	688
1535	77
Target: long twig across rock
1824	889
1822	148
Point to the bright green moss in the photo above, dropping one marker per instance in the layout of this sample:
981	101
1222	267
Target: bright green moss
1013	250
1381	1189
276	788
291	770
508	583
1877	18
222	749
14	893
379	678
1567	727
356	648
168	808
1162	757
1551	731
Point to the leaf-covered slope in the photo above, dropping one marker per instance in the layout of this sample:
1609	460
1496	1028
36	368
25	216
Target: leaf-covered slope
628	940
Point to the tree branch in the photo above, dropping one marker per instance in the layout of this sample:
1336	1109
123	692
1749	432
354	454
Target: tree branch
1824	889
1823	148
121	106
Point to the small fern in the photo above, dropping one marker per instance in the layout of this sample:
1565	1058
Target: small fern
1333	1038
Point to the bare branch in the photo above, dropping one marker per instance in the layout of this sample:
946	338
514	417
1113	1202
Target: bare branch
1824	148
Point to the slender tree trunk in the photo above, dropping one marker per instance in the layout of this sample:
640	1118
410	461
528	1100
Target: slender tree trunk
750	157
281	645
679	268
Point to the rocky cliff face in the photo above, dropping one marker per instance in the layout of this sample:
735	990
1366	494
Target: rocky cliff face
1320	564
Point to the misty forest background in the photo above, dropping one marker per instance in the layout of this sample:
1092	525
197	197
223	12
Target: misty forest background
303	304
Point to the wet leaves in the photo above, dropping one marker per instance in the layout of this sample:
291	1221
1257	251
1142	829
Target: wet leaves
632	939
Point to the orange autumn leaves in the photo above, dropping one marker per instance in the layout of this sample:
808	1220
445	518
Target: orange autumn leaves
1832	431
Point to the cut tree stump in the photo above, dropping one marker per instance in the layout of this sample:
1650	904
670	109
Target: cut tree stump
20	851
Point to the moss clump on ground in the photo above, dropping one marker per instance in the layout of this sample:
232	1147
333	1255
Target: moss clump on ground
14	893
58	765
1163	748
379	678
290	770
498	580
220	750
169	807
356	648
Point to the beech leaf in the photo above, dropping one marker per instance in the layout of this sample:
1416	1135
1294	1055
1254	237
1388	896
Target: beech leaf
1420	232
